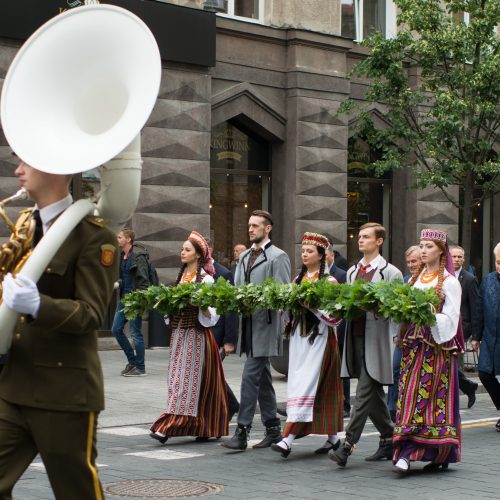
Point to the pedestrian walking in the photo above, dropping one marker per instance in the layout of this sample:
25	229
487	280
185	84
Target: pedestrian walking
315	399
468	283
134	275
427	424
486	332
368	350
196	399
261	335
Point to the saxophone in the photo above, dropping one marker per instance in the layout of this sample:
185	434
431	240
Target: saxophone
15	252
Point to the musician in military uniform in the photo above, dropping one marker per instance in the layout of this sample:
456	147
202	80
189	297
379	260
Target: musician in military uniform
51	388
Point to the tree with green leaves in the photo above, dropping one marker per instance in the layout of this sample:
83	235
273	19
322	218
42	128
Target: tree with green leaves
439	78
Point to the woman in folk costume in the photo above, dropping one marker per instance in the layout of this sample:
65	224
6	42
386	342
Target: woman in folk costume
315	399
427	424
197	398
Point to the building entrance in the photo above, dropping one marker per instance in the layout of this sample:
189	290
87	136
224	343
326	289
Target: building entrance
240	182
368	196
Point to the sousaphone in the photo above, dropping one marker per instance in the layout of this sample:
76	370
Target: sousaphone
75	98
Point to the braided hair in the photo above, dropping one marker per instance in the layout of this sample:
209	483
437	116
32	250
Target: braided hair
181	272
300	277
199	265
322	266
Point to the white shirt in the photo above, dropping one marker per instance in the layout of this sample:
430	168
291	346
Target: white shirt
373	264
261	245
50	212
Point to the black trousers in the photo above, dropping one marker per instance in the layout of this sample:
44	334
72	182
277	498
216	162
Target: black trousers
492	385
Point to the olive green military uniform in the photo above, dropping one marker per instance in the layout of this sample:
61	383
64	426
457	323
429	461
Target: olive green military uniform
51	389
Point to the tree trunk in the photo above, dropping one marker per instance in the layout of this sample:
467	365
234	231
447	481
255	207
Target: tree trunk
467	217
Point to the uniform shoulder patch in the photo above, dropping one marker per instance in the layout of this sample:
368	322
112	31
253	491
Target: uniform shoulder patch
108	252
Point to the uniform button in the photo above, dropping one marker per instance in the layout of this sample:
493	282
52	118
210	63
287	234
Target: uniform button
59	363
18	335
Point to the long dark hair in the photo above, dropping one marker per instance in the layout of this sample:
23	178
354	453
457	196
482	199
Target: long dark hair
322	267
198	250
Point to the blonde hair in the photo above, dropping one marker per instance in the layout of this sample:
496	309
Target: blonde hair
442	267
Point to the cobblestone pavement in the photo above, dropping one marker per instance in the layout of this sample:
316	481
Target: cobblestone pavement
127	453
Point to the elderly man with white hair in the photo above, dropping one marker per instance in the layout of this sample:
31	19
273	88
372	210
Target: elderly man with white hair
486	332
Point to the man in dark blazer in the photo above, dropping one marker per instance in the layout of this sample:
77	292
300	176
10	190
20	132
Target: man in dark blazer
51	388
469	286
225	330
340	275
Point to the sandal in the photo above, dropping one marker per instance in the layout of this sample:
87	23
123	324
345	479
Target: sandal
279	449
327	447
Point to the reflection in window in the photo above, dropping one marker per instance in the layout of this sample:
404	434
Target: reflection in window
362	18
250	9
373	17
348	28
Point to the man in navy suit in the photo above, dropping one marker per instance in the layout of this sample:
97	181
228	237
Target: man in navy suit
225	330
340	275
469	286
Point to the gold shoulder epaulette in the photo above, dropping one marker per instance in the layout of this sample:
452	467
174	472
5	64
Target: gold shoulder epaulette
97	221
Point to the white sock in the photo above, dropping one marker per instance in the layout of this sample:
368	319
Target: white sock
289	440
333	438
402	464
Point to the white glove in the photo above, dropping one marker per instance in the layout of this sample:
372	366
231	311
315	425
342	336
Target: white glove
21	294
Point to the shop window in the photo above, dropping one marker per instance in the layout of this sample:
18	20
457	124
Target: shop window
246	9
240	182
368	196
362	18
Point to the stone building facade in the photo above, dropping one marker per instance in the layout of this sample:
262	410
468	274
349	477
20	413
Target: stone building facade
259	128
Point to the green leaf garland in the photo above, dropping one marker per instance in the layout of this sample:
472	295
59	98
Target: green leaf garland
389	299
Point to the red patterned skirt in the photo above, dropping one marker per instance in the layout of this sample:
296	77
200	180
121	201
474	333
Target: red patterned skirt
328	406
210	416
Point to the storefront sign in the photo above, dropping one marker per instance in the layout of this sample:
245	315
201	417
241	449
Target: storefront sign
229	144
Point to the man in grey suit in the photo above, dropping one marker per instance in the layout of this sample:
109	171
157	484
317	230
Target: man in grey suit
367	354
261	334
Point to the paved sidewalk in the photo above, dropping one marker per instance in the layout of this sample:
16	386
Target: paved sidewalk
126	453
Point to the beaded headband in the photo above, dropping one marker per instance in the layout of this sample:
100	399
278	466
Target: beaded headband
315	239
200	241
434	235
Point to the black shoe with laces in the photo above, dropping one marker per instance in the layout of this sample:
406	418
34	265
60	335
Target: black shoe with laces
384	452
272	434
240	439
342	454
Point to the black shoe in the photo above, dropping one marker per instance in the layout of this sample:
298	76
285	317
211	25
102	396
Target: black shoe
158	437
202	439
347	413
342	454
240	439
284	451
384	452
472	396
281	410
272	434
433	467
325	449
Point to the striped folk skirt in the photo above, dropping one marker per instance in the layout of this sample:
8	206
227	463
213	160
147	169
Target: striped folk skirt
197	397
427	424
328	406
